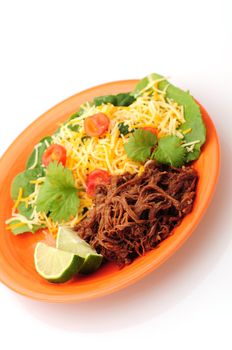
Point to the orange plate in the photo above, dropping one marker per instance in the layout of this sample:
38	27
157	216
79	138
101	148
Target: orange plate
16	252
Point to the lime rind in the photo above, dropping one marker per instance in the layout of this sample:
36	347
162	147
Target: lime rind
91	264
68	240
55	265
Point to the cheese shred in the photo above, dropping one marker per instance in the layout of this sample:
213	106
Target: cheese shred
85	154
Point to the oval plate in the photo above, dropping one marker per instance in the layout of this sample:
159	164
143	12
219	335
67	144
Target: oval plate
16	252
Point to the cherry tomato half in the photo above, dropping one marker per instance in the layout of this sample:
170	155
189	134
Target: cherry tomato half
54	152
151	129
95	178
97	124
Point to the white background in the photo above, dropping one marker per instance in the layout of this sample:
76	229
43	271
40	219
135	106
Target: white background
53	49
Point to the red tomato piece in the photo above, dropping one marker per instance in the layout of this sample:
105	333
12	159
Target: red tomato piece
95	178
151	129
97	124
54	153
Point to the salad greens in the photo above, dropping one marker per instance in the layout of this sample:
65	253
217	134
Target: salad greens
140	144
42	146
24	228
25	210
58	194
23	180
76	114
74	128
192	111
123	99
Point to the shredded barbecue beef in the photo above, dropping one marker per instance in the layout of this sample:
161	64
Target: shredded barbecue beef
133	213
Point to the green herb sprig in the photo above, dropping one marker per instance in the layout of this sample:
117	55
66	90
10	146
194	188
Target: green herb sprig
58	195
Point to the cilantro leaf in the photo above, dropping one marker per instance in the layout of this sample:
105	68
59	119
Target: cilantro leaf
192	112
123	128
85	138
139	145
58	194
169	151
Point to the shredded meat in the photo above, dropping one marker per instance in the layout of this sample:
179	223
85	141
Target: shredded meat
133	214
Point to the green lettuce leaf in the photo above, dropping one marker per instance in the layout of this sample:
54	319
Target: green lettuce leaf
76	114
192	112
123	99
32	161
25	211
75	127
24	228
23	180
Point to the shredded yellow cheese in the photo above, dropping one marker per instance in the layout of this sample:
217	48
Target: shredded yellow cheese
18	200
36	148
85	154
187	131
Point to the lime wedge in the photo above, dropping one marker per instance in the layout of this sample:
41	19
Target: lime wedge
56	265
68	240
